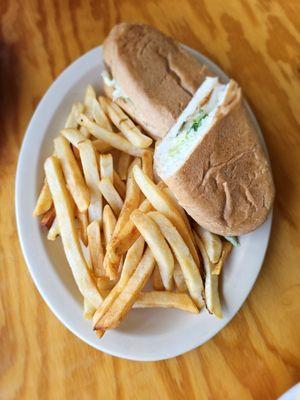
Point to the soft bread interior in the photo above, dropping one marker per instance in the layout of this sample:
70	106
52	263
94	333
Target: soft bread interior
192	125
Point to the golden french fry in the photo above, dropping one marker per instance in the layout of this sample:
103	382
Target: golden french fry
147	163
74	136
84	131
72	120
124	123
119	185
89	97
66	221
48	218
123	165
44	201
212	298
111	195
212	243
188	266
115	140
161	202
109	223
132	259
181	301
126	235
158	245
227	247
75	151
131	202
95	248
100	146
106	167
99	116
83	221
72	173
157	282
180	211
179	278
129	294
91	174
54	230
88	309
105	284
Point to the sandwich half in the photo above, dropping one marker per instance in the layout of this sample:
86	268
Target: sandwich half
149	75
213	162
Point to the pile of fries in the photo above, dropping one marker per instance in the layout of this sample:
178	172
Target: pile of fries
120	229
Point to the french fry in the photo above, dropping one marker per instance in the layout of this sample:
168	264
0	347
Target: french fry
44	201
147	163
158	245
109	223
124	123
119	185
54	230
157	282
99	116
132	201
123	165
188	266
100	146
91	174
74	136
111	195
72	173
227	247
213	243
48	218
93	109
85	132
75	151
66	221
212	298
83	221
95	248
180	301
114	139
72	120
106	166
161	202
126	235
129	294
180	210
179	279
132	259
105	284
90	95
88	309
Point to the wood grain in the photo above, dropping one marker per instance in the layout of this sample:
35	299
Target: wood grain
257	355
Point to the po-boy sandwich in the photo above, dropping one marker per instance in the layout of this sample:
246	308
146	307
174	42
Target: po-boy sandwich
213	162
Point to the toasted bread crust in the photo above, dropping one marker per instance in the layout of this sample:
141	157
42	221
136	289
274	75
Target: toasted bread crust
157	74
226	184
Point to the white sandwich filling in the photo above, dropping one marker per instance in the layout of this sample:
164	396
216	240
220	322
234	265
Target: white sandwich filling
118	92
192	125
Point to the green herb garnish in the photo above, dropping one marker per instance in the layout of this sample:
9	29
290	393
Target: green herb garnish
197	121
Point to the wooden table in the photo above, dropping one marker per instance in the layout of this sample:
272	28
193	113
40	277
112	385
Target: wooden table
257	355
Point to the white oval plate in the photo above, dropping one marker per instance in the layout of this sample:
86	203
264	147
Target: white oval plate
146	335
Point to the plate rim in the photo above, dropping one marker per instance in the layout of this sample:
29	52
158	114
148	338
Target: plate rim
18	210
